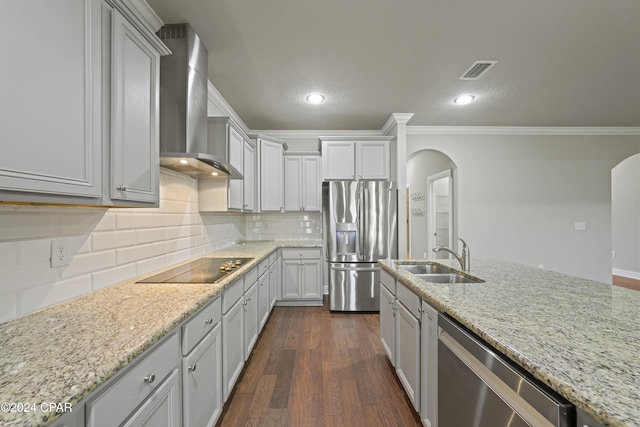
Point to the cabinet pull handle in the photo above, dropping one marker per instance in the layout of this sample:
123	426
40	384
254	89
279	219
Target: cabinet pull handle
209	321
193	367
122	188
149	379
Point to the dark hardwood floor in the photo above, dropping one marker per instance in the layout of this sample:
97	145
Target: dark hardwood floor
312	367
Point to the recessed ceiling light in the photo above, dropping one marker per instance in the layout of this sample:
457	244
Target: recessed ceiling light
464	99
315	98
214	173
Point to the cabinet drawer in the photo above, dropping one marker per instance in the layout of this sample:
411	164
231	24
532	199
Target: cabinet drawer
231	295
410	300
262	268
388	281
304	253
273	257
200	324
131	388
251	277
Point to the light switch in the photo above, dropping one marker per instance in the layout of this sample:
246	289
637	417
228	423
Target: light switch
580	225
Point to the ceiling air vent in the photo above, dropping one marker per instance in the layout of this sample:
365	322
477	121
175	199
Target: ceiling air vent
477	70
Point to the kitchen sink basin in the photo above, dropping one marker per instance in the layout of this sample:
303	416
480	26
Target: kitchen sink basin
424	269
446	278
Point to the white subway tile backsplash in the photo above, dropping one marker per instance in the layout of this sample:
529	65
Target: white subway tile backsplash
8	307
24	276
8	254
108	246
109	277
150	235
28	251
35	299
113	239
88	263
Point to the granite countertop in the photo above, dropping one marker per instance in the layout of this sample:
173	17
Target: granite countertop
63	353
580	337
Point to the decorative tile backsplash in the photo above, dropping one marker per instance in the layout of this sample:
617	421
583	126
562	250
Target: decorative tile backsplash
108	246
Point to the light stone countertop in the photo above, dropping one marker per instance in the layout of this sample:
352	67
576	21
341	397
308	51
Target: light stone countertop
62	353
580	337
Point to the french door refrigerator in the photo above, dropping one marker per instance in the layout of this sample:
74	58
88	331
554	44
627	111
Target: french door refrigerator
360	227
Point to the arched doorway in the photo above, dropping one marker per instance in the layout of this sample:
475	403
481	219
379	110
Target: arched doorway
431	200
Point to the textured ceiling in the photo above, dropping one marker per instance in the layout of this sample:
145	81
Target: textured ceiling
560	63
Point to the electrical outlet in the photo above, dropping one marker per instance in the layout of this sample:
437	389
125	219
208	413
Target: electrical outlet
580	225
613	254
59	256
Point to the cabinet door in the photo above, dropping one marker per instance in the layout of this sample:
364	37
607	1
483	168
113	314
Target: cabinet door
162	408
202	382
338	160
135	149
293	183
311	184
250	319
429	366
387	323
236	158
249	180
232	346
290	279
408	353
50	122
310	273
271	176
273	284
263	299
373	160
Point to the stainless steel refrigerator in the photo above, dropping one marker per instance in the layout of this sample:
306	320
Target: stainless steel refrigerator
360	227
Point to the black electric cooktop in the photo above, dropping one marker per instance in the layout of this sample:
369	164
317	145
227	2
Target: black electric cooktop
203	270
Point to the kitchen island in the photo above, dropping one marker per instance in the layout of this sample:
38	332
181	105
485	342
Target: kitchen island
61	354
579	337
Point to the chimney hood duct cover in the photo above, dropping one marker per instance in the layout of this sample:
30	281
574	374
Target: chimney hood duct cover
184	145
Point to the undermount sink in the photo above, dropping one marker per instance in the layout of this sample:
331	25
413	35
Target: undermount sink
446	278
418	269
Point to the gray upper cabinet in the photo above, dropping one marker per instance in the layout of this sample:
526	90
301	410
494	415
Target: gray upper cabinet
88	125
51	100
135	153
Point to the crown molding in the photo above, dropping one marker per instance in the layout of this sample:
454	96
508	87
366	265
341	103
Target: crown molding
285	134
216	97
394	120
520	130
144	18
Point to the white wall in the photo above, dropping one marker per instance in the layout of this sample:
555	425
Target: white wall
108	246
625	212
520	195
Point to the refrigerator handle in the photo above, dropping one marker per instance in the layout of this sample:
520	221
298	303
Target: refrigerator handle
359	236
365	226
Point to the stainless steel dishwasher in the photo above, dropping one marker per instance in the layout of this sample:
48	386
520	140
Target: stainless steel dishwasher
477	387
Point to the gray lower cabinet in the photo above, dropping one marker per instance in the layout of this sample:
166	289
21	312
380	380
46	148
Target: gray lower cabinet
302	275
387	321
202	367
429	366
162	408
274	278
264	283
400	332
232	336
148	393
202	382
408	353
250	313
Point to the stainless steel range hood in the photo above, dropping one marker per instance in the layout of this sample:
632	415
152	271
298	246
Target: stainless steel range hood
184	145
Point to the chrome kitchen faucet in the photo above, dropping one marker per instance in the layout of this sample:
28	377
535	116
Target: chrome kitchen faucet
463	259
